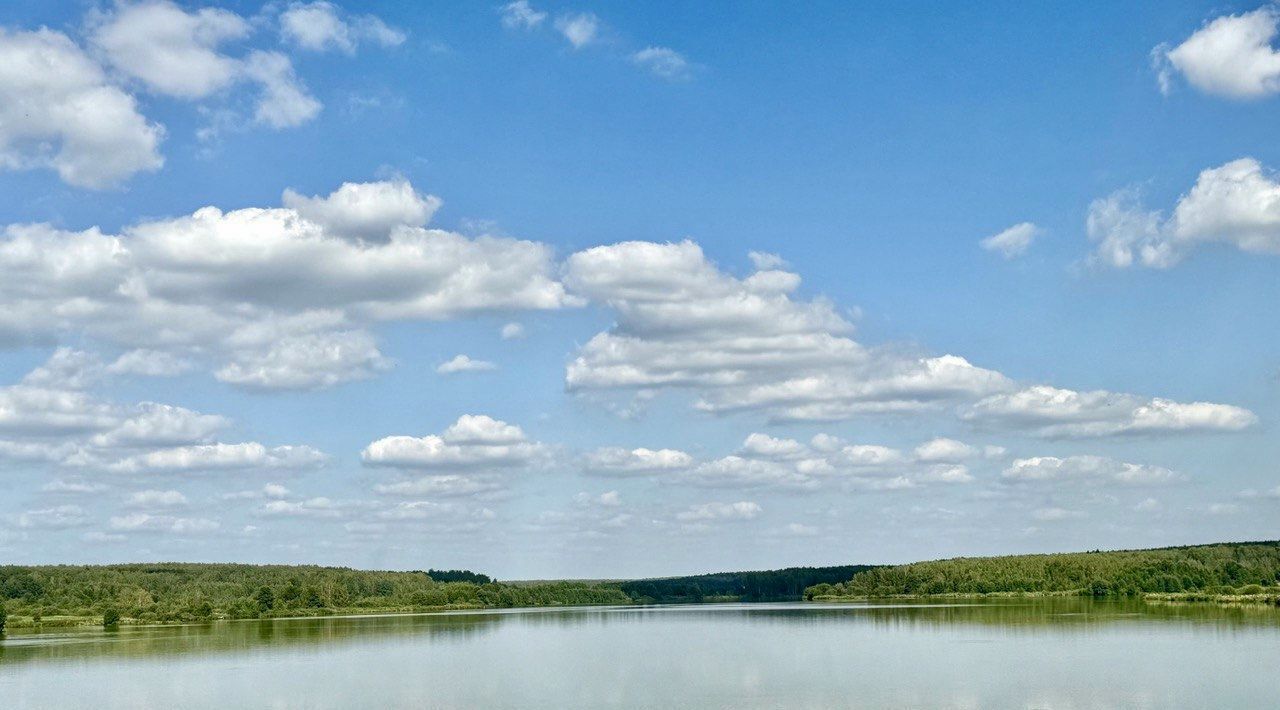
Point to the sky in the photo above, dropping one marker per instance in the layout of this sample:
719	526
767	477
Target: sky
615	290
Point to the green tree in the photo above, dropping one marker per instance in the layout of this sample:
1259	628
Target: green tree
110	617
266	600
4	617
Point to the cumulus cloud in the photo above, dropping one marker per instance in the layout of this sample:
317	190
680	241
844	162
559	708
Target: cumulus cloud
173	52
320	26
1094	469
306	362
463	363
520	15
169	50
369	210
283	102
1054	412
1012	242
210	457
620	461
744	344
475	456
1236	204
473	441
1230	56
56	518
58	111
319	507
942	450
150	363
283	301
155	499
712	512
55	424
511	331
146	522
442	486
580	29
825	461
663	62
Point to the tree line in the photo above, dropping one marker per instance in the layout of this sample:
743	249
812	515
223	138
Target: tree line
1222	569
768	585
173	592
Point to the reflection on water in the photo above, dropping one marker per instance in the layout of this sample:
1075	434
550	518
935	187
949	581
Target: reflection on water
1052	653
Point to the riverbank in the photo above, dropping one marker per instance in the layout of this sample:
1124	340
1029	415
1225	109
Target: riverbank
1267	598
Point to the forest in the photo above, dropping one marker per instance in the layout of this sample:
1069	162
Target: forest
770	585
1248	569
172	592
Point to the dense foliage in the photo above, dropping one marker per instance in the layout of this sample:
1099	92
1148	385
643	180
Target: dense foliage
772	585
458	575
1225	568
198	592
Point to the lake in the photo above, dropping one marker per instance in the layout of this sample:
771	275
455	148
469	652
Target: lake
1048	653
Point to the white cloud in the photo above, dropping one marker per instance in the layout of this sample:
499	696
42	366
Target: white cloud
209	457
177	53
150	363
146	522
55	424
1237	204
312	507
56	518
1231	56
520	15
943	450
767	462
320	26
57	110
1097	469
74	487
282	301
463	363
283	102
641	461
800	530
473	441
442	486
744	344
1148	505
710	512
1012	242
512	331
1054	412
663	62
171	51
306	362
155	499
153	424
1222	509
368	210
608	499
580	29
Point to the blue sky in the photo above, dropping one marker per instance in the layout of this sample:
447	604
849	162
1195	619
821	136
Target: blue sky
599	175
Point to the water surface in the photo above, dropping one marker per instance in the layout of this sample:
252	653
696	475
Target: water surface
1063	653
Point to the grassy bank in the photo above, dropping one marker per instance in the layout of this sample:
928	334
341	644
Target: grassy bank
66	595
1243	573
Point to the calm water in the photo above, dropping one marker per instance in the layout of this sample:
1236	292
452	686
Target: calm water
1043	654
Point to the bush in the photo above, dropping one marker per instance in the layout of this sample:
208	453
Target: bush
110	617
